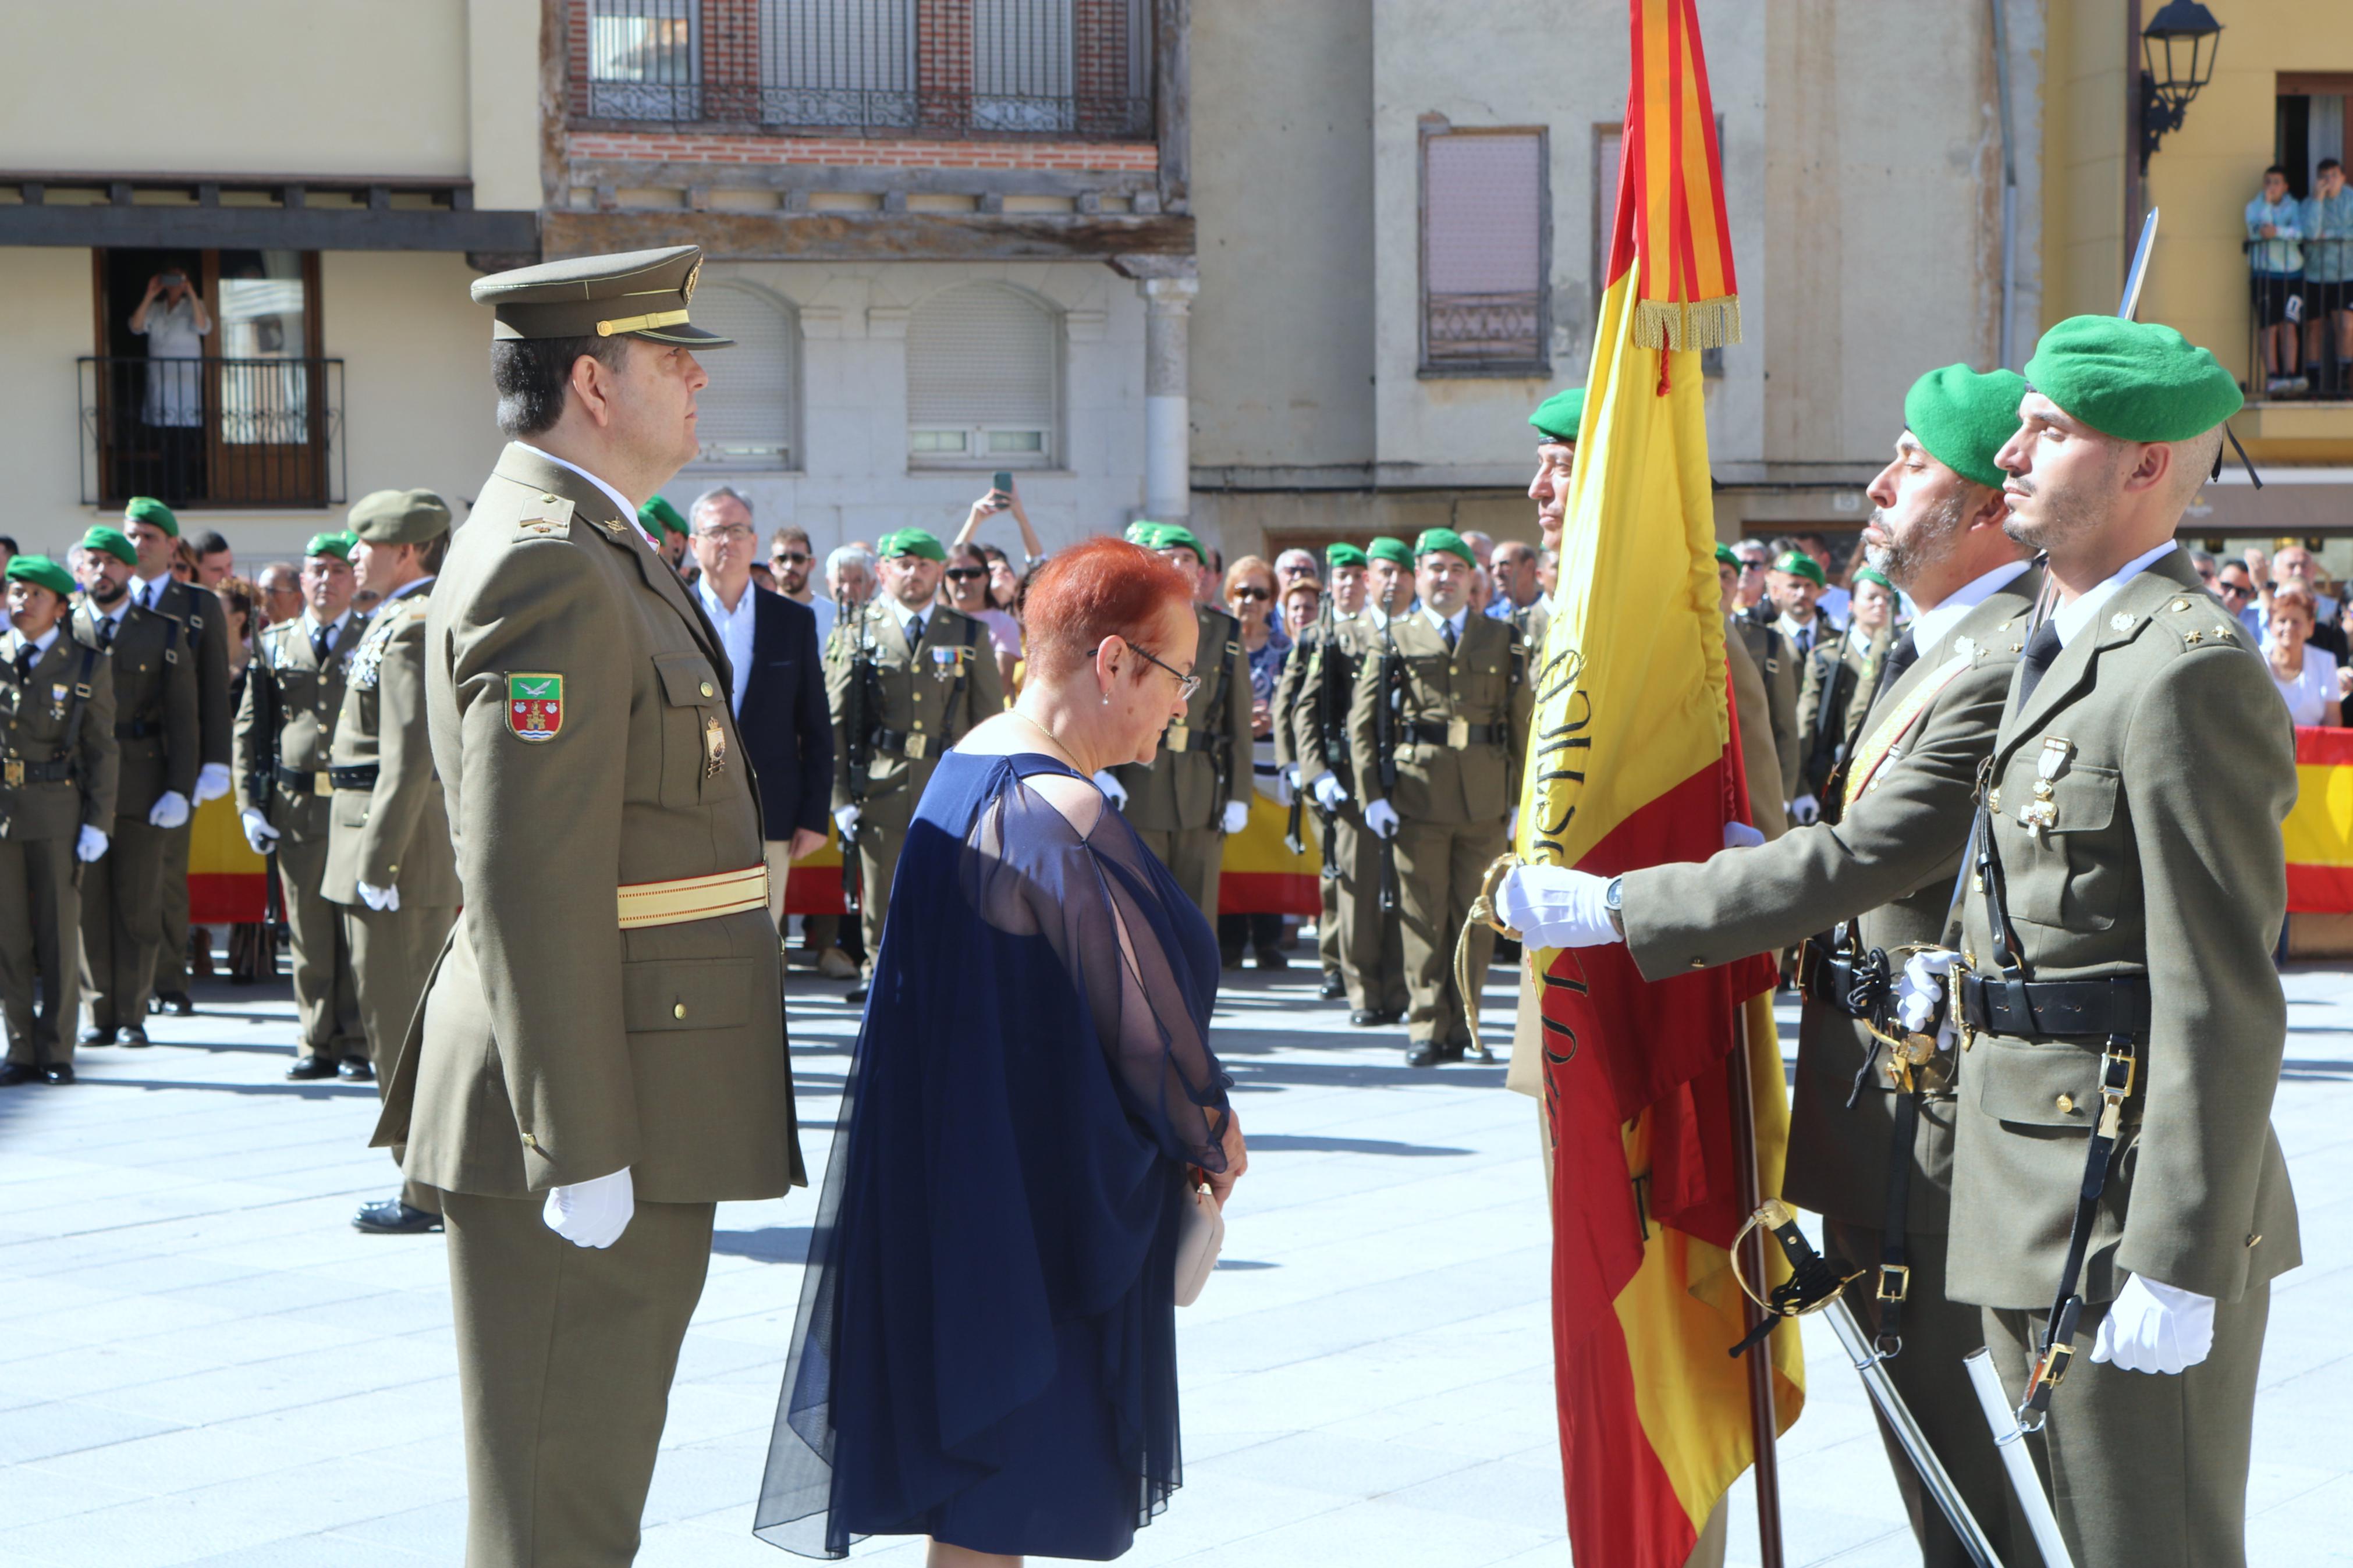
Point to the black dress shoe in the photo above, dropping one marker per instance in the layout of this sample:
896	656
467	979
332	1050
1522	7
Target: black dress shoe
1334	986
1424	1054
855	994
1273	958
1470	1053
1363	1017
94	1035
14	1073
58	1072
311	1067
390	1216
179	1004
358	1069
131	1035
1388	1015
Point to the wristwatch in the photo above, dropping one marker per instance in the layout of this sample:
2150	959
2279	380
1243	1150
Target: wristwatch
1612	901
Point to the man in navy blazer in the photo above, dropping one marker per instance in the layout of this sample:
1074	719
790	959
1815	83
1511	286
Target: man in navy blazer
778	687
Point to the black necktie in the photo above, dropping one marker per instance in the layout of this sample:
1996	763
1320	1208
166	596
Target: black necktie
1901	658
107	626
1446	629
322	640
25	657
2035	662
914	630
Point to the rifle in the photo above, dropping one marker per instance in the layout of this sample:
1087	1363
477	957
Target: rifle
858	719
1333	695
262	783
1387	703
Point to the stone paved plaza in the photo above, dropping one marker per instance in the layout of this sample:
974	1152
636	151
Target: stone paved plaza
206	1364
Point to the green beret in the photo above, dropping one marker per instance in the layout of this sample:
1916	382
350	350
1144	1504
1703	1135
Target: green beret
911	541
1964	418
148	510
338	545
1177	536
399	516
2136	381
657	517
42	572
1557	416
1144	532
1803	565
1724	557
1342	554
1390	550
1872	574
1433	540
114	542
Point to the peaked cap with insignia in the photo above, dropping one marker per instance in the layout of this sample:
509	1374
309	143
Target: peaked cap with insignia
636	293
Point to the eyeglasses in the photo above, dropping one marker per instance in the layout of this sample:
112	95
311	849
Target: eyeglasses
965	573
1185	684
726	532
1752	566
789	558
1252	594
2236	590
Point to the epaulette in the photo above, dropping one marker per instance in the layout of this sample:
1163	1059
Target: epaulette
546	516
2198	620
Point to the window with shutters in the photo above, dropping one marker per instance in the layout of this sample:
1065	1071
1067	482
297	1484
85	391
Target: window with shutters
1485	223
745	417
983	380
1608	141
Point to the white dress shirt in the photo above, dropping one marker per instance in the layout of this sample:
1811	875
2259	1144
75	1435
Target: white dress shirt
15	640
147	590
621	501
1441	623
734	628
906	617
2071	619
313	626
1932	626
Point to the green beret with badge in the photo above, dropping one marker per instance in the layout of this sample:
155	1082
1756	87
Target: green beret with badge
1342	554
338	544
42	572
636	293
1557	416
399	516
1724	557
1393	550
111	542
1796	562
1963	419
155	514
1145	533
657	517
1872	574
1434	540
1177	536
2136	381
911	541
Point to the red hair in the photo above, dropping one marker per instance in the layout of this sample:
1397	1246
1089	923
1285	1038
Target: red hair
1096	588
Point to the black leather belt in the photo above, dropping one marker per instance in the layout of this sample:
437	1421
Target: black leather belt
358	775
138	730
1443	732
914	743
2040	1009
1840	981
314	781
15	772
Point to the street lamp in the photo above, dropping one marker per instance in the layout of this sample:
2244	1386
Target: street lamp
2189	37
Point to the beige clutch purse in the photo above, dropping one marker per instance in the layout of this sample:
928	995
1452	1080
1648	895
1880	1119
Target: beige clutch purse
1200	1232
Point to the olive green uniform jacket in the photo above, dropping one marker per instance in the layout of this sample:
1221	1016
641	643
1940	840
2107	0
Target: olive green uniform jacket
1775	660
1832	694
34	720
554	1046
396	834
310	700
921	713
1481	683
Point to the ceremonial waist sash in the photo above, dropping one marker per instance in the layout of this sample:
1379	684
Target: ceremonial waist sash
1884	737
684	899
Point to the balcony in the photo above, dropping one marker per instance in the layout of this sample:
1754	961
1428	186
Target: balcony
243	433
1064	69
2298	292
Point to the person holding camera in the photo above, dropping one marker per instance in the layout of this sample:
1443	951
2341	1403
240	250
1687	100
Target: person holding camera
173	321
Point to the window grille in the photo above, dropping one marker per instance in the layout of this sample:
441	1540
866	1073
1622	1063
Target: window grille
644	59
847	63
983	380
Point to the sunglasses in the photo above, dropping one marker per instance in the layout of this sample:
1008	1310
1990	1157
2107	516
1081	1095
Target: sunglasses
965	573
789	558
1252	594
2236	590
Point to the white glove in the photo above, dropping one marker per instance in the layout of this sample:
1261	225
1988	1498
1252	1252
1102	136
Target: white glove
169	810
212	781
1237	816
1382	819
1922	988
1740	836
592	1213
847	820
90	846
2154	1328
1112	788
1553	906
257	831
384	901
1327	790
1805	811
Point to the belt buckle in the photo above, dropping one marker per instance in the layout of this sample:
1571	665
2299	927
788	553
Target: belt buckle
322	782
12	773
1895	1281
1178	738
1458	734
917	746
1964	1032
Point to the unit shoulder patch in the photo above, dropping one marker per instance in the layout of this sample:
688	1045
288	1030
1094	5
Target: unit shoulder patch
534	705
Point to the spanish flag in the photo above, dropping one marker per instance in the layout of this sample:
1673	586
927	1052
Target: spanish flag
2318	833
1635	762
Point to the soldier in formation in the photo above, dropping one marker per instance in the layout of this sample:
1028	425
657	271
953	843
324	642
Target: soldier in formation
57	758
294	691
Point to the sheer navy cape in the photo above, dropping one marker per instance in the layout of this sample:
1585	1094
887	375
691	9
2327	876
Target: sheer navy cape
986	1347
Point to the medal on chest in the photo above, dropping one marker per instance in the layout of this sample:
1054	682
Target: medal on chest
2040	814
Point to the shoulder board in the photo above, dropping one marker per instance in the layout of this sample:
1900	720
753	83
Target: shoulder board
546	515
2199	621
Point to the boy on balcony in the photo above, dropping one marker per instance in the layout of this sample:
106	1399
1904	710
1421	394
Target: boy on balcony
2274	224
2328	277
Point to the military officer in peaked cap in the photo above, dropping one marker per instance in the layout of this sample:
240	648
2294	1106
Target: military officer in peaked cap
601	1054
1196	788
2114	1164
1870	1136
908	679
157	728
57	758
388	861
294	692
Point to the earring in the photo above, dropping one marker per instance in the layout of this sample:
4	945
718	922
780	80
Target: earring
1106	698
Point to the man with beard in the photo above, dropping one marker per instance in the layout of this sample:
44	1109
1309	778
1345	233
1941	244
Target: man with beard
1870	1145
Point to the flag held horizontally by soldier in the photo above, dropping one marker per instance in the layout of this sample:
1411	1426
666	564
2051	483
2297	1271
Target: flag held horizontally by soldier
1635	761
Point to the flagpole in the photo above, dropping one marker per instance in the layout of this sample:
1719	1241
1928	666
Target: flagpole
1763	1426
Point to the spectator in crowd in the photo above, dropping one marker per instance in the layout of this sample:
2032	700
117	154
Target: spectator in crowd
990	505
1250	595
764	579
2235	586
1293	566
2327	219
280	587
2294	564
250	953
1482	545
2275	263
1302	601
216	563
964	587
173	321
1004	581
2203	564
1514	569
848	578
1548	573
1756	559
776	687
789	561
2305	675
184	561
1794	587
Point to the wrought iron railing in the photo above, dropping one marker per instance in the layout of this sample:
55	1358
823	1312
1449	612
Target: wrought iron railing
1483	329
1055	67
223	432
2299	315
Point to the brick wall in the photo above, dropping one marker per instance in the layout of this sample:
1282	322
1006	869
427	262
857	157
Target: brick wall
857	152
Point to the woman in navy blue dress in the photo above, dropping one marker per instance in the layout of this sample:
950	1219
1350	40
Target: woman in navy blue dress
985	1349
